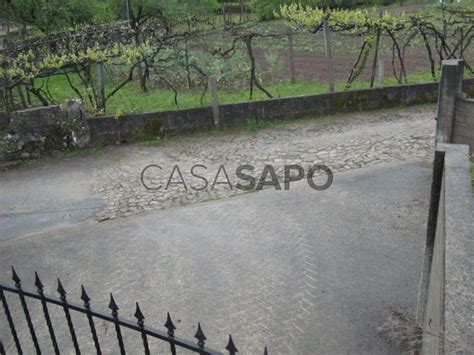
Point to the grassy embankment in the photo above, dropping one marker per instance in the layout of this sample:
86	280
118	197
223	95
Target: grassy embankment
131	100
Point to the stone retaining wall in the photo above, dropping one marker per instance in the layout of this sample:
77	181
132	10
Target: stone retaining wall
30	133
109	130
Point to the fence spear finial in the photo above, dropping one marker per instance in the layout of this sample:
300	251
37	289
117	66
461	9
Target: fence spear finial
139	315
62	292
200	336
113	306
231	348
169	325
15	278
85	297
38	284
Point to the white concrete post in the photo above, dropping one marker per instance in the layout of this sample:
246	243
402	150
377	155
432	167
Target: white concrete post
381	73
327	46
212	84
101	86
291	57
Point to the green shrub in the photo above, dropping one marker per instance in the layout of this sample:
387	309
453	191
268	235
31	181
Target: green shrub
233	7
265	9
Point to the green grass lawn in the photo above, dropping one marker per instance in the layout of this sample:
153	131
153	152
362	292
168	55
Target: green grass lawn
131	100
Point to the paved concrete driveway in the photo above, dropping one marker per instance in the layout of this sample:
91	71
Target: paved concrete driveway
47	195
301	271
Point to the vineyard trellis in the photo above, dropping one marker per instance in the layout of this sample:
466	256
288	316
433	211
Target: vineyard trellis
446	32
449	26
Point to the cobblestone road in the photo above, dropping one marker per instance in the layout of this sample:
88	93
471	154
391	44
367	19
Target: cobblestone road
341	142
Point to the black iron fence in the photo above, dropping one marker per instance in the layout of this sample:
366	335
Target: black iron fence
139	326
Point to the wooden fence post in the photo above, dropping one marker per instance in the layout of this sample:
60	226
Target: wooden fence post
291	56
327	46
450	86
212	84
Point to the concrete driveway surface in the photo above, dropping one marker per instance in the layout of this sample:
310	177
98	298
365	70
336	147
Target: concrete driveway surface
300	271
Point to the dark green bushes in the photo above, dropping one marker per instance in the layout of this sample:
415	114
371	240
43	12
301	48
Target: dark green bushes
265	9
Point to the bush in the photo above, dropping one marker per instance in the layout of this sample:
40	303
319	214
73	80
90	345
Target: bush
232	7
265	9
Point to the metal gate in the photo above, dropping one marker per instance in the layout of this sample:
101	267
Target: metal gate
85	308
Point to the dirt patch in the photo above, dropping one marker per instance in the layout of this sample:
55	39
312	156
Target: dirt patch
402	330
312	66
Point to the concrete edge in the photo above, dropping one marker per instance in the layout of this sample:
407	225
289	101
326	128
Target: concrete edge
445	301
459	249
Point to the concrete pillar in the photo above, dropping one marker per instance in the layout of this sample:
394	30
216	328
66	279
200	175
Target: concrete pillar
381	73
100	86
129	10
291	57
327	47
212	84
450	86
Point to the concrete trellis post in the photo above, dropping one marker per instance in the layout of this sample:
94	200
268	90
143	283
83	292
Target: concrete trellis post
381	73
212	84
129	10
100	86
188	69
291	57
327	46
376	54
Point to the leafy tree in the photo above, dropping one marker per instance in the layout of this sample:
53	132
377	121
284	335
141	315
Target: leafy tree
265	9
48	16
169	11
